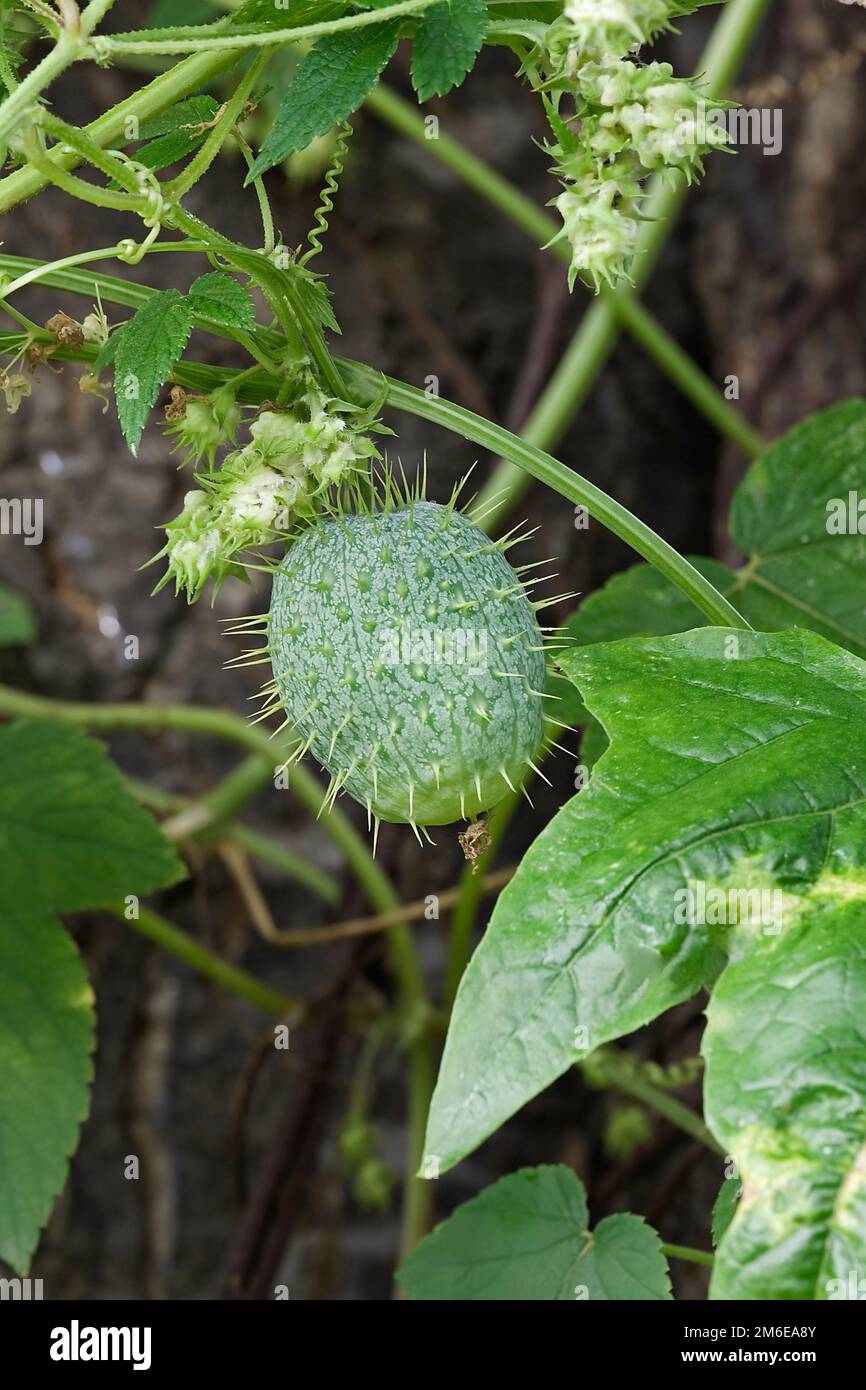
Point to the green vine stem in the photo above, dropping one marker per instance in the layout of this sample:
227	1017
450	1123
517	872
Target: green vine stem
686	1252
228	727
78	188
366	386
211	146
465	913
229	977
210	819
682	371
211	38
210	813
186	77
71	45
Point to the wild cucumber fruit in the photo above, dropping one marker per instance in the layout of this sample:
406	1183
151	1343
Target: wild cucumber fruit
408	657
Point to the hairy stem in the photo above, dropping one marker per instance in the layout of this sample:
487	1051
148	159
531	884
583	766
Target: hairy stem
186	77
211	146
14	109
202	38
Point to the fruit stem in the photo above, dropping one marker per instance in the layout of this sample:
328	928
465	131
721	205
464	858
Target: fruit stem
470	893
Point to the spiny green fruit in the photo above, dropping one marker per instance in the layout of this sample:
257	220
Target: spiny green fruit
407	655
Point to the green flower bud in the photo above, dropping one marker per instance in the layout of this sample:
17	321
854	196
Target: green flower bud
201	425
372	1186
261	492
602	230
599	30
194	547
664	121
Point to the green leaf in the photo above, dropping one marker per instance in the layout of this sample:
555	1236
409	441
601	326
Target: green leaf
176	132
328	85
730	753
11	54
725	1206
220	298
255	14
785	1088
166	150
446	45
314	295
17	624
71	837
166	13
638	602
182	117
46	1042
527	1238
145	349
799	574
173	133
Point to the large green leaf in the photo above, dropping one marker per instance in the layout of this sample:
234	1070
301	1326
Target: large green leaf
527	1238
730	754
71	837
785	1087
329	84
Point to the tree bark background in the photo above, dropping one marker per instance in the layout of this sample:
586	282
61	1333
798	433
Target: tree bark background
764	280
